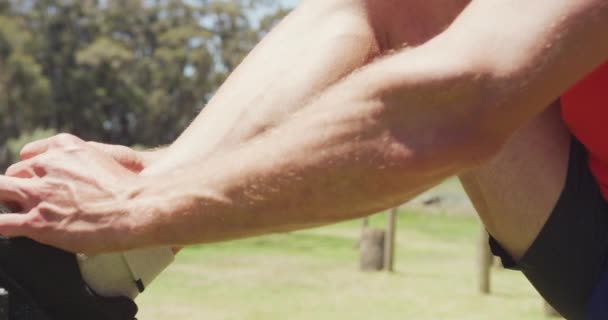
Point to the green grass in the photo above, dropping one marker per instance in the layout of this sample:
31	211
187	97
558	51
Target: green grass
313	274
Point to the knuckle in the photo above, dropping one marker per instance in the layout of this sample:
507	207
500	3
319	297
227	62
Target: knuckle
38	167
95	145
35	222
30	222
13	170
100	148
31	191
122	149
35	162
67	139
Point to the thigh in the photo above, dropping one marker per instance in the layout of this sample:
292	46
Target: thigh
545	213
515	193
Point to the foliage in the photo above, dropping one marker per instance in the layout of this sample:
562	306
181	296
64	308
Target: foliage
119	71
14	145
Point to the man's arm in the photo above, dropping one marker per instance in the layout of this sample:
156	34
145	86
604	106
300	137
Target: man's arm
394	128
533	51
317	45
372	140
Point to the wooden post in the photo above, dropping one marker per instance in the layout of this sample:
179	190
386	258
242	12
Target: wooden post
371	249
484	263
389	241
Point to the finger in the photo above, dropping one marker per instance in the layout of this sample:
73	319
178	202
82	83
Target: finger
35	148
121	154
109	149
26	169
14	225
12	190
20	170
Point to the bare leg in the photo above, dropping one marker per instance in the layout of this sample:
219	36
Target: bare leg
515	193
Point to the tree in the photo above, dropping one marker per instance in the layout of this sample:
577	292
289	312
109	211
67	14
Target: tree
119	71
24	90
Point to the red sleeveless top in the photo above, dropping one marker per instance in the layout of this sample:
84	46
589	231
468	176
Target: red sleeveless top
585	112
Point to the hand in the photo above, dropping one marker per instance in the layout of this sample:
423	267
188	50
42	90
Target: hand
71	195
133	160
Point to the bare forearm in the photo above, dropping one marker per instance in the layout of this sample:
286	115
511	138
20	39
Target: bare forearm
532	52
368	142
372	141
315	46
350	153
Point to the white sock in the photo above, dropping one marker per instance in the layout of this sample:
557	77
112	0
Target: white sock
124	273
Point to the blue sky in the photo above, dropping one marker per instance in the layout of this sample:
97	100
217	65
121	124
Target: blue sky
289	3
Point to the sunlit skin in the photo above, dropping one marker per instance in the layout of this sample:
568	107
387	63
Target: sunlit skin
332	117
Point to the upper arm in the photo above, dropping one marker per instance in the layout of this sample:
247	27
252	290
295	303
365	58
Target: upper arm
529	51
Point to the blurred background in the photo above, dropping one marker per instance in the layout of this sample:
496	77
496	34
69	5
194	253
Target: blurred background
117	71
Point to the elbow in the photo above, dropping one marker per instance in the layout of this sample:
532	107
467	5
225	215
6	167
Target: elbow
455	129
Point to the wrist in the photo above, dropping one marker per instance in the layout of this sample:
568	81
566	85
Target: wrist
152	206
129	272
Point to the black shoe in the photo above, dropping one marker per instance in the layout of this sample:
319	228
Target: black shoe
44	283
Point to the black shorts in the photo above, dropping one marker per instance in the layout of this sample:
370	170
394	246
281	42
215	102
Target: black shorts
568	258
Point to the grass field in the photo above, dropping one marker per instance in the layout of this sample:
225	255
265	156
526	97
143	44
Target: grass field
314	274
